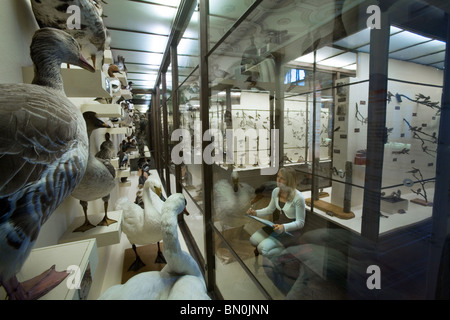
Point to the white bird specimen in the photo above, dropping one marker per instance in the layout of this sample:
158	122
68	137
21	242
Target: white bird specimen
231	201
43	156
143	226
180	279
98	181
91	32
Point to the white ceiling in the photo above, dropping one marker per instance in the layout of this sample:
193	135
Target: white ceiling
140	30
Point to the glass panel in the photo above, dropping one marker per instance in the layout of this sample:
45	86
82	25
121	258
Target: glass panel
302	70
223	14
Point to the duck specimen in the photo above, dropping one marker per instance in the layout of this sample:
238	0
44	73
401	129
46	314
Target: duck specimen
91	32
106	151
98	181
142	225
231	201
43	156
180	279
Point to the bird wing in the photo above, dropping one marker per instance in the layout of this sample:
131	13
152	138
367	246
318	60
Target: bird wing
34	136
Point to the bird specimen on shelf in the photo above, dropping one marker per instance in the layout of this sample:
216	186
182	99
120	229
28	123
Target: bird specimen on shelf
180	279
107	150
98	181
113	70
121	63
43	156
231	201
142	226
90	31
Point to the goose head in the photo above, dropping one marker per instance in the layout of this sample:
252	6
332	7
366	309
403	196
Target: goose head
92	122
58	46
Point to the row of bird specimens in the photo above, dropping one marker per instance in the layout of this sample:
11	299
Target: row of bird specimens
264	149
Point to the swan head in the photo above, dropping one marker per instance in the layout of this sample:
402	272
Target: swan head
154	185
235	180
175	205
55	44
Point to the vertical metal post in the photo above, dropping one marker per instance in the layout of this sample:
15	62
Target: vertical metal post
176	108
441	202
166	163
206	168
376	131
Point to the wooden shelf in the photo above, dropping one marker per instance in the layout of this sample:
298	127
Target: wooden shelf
105	236
104	110
82	254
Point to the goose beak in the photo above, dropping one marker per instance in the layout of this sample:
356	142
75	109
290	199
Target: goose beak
83	63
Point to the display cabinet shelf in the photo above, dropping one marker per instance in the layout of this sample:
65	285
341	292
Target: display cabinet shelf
79	254
78	83
105	236
121	130
104	110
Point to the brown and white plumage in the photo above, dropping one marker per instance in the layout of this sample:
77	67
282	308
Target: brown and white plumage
43	151
92	35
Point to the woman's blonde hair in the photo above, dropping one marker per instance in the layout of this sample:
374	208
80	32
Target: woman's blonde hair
291	181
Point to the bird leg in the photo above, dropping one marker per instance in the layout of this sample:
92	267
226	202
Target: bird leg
159	256
138	263
86	225
36	287
106	222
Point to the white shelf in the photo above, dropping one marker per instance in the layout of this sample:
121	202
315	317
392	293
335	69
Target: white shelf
126	173
122	130
77	82
108	57
126	94
105	236
104	110
82	254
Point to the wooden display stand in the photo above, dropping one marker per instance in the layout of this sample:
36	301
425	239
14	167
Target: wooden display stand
331	209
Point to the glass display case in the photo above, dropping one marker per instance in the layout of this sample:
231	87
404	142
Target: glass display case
348	98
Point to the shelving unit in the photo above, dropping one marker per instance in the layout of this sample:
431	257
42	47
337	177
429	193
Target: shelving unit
79	254
105	236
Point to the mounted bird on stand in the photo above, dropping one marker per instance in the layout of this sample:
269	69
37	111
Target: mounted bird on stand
43	156
90	31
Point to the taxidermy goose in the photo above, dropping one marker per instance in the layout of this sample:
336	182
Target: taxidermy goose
43	156
231	201
180	279
98	181
92	36
142	225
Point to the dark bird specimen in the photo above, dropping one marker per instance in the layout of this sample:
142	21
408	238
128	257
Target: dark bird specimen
98	181
107	150
43	156
91	35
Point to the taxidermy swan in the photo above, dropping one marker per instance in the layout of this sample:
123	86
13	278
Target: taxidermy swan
231	201
142	226
43	156
180	279
92	34
98	181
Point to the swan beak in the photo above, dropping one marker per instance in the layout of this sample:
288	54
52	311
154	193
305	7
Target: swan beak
83	63
185	212
158	191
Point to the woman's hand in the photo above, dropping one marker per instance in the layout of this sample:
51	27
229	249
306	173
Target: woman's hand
278	228
251	212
